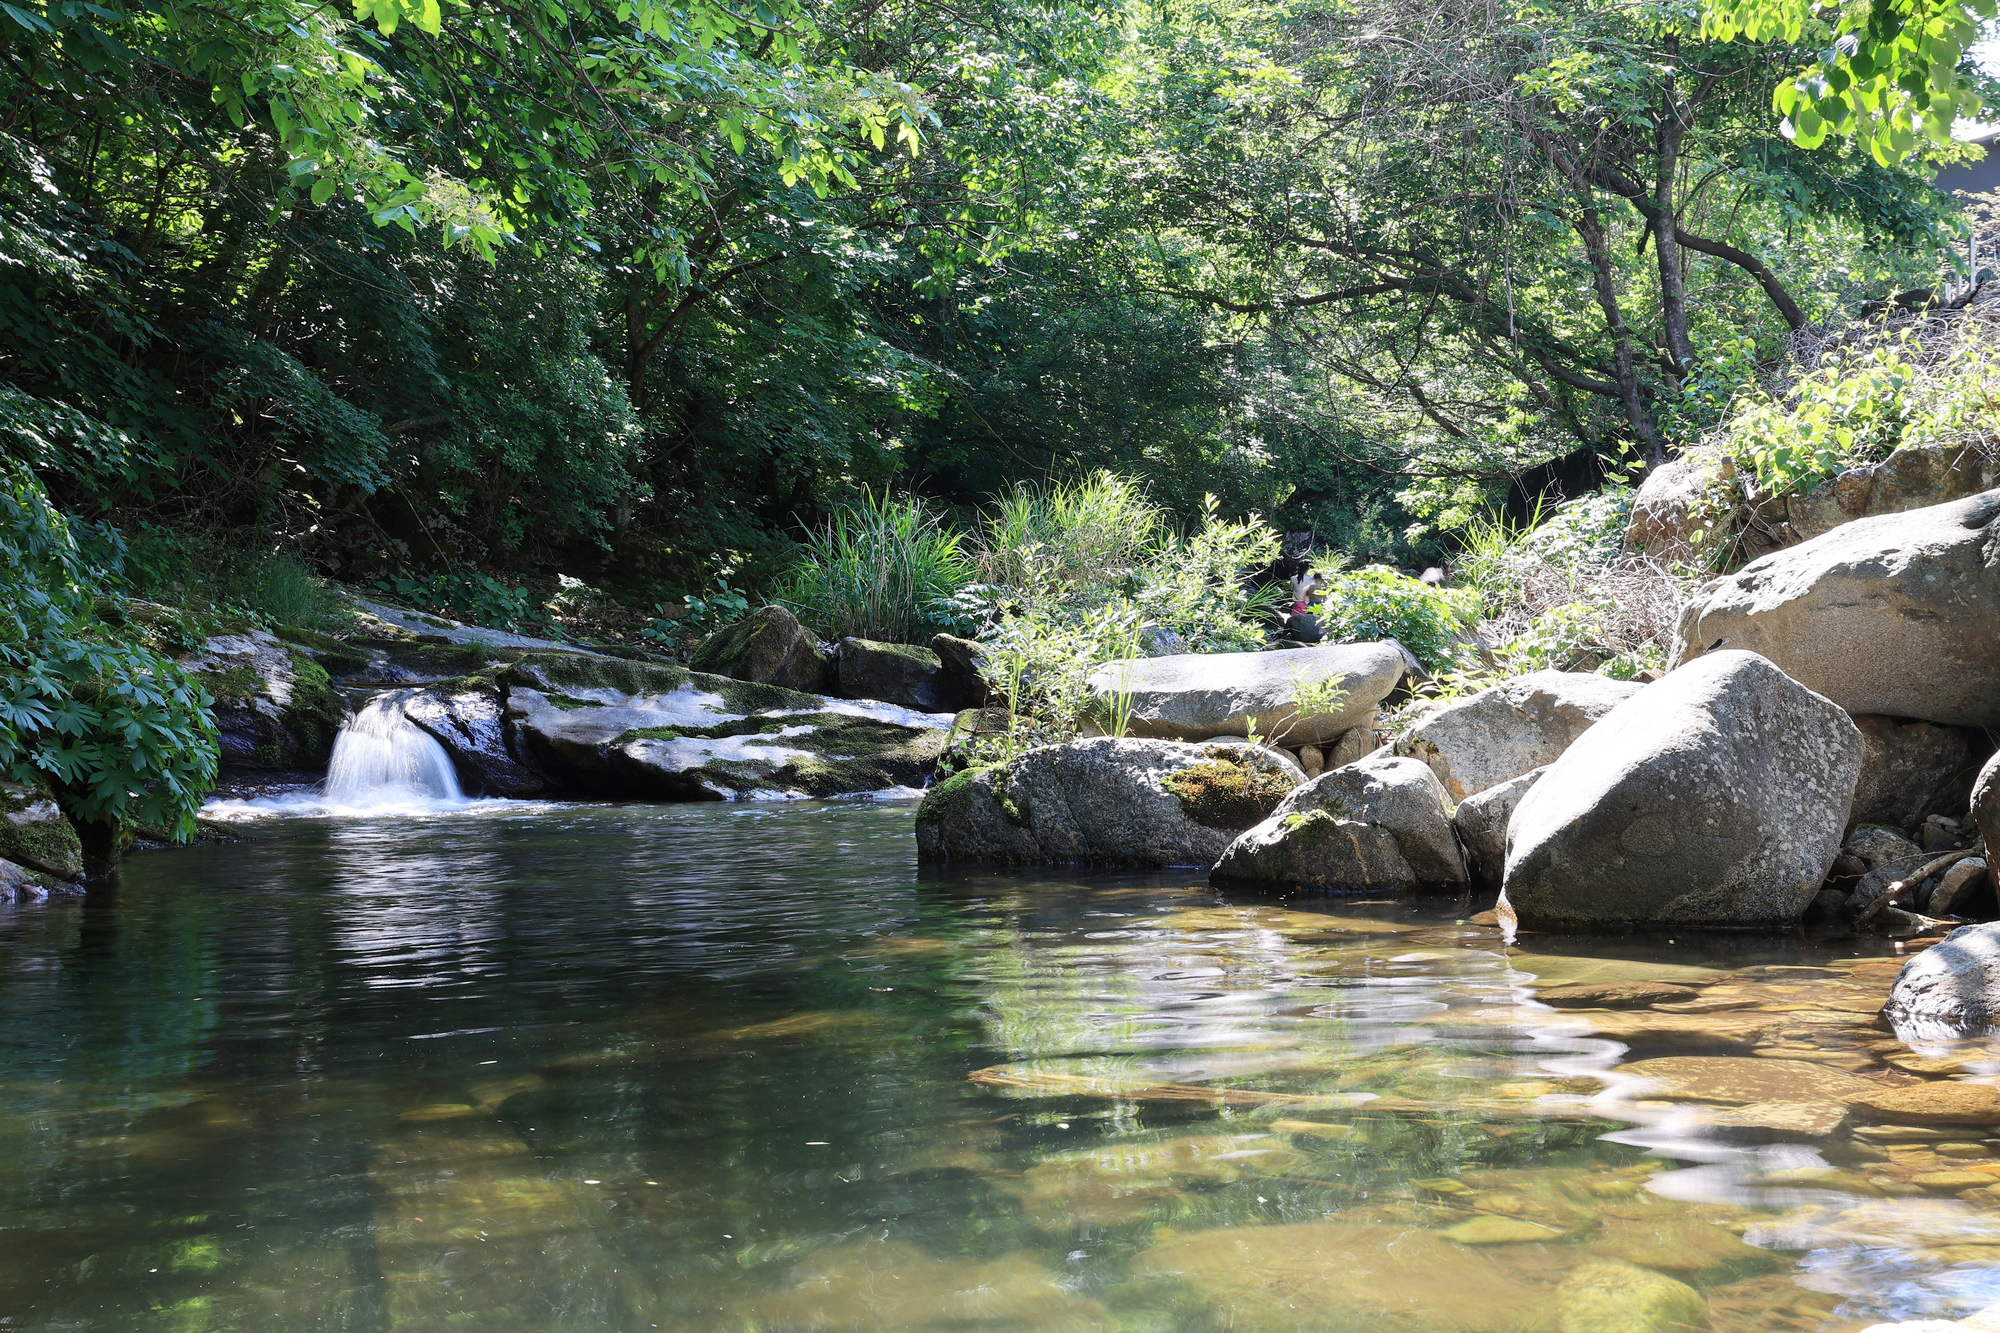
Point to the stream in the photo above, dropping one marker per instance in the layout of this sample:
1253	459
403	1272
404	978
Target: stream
509	1067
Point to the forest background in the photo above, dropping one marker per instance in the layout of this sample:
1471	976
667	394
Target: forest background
558	312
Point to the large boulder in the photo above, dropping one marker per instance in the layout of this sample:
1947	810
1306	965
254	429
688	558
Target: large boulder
35	833
1668	504
903	674
1715	797
1898	614
1985	802
1913	478
1194	696
769	646
1481	824
1671	505
1375	824
1952	987
1104	801
559	722
1515	727
1913	770
275	707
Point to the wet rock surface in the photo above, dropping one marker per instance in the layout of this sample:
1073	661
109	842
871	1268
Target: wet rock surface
1953	986
558	723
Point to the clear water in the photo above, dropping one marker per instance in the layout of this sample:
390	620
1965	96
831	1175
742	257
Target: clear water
747	1067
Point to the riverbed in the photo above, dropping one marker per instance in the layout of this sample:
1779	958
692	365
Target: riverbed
532	1067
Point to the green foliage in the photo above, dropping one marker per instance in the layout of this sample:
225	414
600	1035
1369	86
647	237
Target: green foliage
1088	566
1068	543
476	599
118	730
1863	405
190	571
882	569
1378	603
1500	560
1894	72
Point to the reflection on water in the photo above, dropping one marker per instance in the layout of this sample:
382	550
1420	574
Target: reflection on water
727	1067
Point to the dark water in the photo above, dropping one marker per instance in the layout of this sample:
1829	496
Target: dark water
744	1067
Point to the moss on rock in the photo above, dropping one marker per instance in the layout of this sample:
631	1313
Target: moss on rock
34	831
946	803
1227	793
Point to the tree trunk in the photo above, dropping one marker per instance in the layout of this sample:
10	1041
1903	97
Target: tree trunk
1597	244
1666	240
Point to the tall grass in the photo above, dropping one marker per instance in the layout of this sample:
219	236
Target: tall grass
1073	539
885	568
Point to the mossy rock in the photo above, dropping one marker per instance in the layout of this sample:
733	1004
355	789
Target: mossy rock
768	647
34	832
1227	793
339	657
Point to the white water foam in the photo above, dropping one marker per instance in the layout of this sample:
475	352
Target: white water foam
383	764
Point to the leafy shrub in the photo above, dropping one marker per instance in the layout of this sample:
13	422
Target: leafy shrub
193	571
1076	541
882	569
118	729
1379	603
1557	593
476	599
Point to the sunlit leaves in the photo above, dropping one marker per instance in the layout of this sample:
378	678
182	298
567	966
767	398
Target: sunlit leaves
1893	78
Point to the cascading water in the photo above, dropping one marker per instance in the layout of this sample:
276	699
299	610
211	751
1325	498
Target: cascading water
381	758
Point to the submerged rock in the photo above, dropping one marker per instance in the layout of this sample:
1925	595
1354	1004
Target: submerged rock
1378	823
1615	995
1278	1279
34	832
598	726
1621	1298
769	647
1953	986
1103	801
890	1285
1940	1103
275	707
1737	1080
1517	726
1715	797
1897	614
1194	696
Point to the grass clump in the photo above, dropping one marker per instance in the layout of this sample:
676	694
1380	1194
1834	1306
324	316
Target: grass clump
884	569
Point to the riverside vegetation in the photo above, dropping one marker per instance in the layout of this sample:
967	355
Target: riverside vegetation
1515	483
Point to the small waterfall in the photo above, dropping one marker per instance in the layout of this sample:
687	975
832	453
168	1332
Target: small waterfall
383	758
